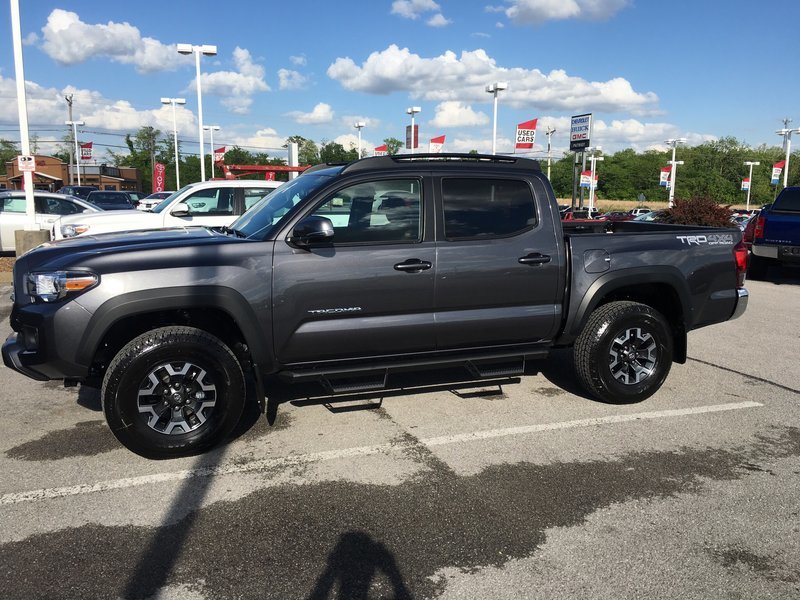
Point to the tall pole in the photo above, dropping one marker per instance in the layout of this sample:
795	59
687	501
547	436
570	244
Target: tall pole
77	151
22	109
68	98
412	111
211	129
751	164
593	158
787	144
198	50
493	88
549	133
175	101
360	125
674	164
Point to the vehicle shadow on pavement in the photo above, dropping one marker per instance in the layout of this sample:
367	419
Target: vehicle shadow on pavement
778	275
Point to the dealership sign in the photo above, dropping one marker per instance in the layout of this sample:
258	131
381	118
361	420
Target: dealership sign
526	135
663	179
86	151
159	173
745	184
380	150
776	171
580	132
436	144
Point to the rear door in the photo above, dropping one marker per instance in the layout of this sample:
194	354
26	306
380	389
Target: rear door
498	268
369	292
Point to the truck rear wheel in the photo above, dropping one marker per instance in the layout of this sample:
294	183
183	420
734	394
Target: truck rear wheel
624	353
757	267
173	391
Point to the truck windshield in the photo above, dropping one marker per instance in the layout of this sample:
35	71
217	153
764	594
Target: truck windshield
259	221
788	201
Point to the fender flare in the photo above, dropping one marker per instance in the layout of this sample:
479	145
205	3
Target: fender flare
638	276
174	298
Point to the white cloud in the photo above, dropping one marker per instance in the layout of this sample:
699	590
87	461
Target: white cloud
369	122
457	114
463	78
291	80
30	39
480	34
411	9
536	12
321	113
265	140
236	87
438	20
350	140
68	40
299	61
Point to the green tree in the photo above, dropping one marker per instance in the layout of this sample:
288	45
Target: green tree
393	145
333	152
8	152
308	153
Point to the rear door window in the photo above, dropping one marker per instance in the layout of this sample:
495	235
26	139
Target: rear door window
486	208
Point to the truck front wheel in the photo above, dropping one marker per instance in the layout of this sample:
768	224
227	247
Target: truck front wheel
624	353
173	391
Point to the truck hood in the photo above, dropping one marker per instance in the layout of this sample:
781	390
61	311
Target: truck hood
88	250
134	217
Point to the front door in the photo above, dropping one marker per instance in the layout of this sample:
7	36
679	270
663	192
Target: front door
370	291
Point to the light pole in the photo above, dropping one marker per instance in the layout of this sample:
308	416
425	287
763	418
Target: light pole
593	158
198	50
77	152
787	143
549	133
493	88
175	101
412	110
211	129
360	125
751	164
674	164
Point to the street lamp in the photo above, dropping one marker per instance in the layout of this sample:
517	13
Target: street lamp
751	164
549	133
674	163
593	158
198	50
359	125
787	143
493	88
211	129
175	101
77	152
412	110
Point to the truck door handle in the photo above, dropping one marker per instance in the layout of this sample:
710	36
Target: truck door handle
535	259
413	265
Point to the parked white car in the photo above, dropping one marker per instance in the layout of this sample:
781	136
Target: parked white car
49	207
153	200
209	203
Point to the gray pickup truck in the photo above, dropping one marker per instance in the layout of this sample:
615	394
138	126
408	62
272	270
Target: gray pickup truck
350	273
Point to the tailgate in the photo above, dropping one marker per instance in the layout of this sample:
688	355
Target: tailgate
782	227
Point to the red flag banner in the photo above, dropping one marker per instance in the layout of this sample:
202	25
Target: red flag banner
777	168
86	151
435	145
269	176
380	150
219	155
663	179
526	135
159	176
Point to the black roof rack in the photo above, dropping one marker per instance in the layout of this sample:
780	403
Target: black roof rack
378	162
320	166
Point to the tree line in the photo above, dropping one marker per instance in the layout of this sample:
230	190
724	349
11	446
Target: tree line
713	169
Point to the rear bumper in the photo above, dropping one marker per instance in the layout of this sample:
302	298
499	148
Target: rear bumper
786	254
741	303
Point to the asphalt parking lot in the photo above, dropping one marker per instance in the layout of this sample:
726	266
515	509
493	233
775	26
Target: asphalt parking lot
438	488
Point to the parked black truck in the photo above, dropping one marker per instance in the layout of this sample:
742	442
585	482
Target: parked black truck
352	272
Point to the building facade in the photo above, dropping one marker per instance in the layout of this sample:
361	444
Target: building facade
51	174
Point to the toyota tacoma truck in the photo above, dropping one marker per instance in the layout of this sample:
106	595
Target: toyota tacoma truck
350	273
776	235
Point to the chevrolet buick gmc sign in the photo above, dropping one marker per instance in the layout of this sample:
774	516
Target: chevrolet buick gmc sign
580	132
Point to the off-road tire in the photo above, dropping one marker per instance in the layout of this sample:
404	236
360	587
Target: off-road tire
161	354
624	353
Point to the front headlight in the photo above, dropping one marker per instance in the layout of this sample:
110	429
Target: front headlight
53	286
72	230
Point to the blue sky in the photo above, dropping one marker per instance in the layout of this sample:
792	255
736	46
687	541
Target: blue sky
647	70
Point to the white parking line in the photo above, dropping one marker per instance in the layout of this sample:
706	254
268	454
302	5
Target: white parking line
265	464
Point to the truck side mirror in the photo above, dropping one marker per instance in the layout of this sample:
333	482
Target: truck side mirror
181	209
312	231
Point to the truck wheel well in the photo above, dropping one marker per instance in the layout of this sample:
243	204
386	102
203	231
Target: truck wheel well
665	300
212	320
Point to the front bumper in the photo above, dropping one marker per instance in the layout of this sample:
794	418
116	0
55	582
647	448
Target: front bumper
16	357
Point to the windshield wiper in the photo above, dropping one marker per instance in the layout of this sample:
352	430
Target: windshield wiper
225	229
